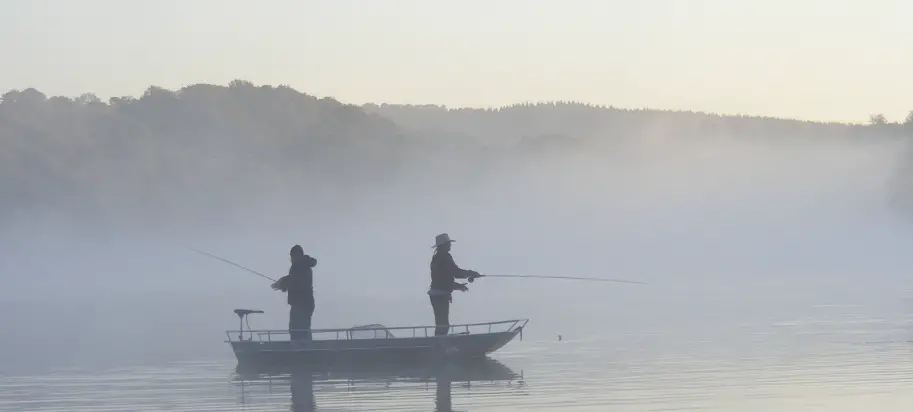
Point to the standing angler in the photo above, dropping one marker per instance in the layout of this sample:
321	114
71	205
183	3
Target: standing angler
443	272
299	283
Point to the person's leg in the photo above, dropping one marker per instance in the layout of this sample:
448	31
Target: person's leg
293	323
436	307
441	306
445	304
299	324
306	321
445	316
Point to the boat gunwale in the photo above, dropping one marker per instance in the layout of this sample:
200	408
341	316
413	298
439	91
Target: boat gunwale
515	327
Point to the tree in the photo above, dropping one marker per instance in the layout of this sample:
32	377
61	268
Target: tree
87	99
878	120
908	124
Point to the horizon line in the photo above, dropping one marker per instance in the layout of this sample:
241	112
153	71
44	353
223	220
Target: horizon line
598	106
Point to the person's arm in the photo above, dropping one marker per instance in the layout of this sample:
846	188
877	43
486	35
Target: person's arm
282	284
457	273
450	265
470	274
459	286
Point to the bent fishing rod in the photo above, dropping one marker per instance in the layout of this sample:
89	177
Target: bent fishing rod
233	264
566	277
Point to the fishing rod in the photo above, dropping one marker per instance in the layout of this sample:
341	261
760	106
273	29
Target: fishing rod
487	276
233	264
566	277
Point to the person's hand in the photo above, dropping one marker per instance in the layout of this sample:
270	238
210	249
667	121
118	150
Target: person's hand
275	286
461	287
473	276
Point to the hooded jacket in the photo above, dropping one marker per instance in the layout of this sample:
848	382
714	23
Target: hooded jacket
299	283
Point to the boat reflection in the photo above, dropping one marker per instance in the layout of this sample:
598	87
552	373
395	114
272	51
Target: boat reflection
338	385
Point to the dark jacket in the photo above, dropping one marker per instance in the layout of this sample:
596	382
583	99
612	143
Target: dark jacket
444	270
299	283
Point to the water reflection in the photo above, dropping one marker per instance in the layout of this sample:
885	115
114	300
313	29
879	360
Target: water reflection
302	389
360	383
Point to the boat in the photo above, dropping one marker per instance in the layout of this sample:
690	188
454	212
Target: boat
369	343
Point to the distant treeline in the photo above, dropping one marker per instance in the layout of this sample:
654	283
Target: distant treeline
583	120
202	145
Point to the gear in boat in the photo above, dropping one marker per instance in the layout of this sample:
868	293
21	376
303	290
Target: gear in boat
372	331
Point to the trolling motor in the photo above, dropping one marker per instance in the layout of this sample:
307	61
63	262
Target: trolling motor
242	318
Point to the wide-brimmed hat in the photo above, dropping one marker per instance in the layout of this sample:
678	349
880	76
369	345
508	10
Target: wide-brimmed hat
442	239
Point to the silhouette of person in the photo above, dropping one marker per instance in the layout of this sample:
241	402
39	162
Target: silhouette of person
443	272
299	283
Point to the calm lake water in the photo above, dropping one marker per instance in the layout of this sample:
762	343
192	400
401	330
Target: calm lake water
842	361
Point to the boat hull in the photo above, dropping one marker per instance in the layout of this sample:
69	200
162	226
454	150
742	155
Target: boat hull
458	346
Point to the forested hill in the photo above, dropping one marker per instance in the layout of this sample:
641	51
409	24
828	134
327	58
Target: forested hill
202	147
512	124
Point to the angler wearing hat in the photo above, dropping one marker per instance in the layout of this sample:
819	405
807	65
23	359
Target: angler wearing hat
443	272
299	283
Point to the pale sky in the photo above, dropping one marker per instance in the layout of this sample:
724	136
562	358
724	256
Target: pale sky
818	60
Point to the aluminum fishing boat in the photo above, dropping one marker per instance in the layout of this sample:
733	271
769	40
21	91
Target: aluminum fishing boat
369	343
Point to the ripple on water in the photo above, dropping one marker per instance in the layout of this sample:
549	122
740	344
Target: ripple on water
635	373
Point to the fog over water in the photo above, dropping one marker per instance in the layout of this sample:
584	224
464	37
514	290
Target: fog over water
729	231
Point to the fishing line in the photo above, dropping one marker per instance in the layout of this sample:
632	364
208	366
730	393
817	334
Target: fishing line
566	277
